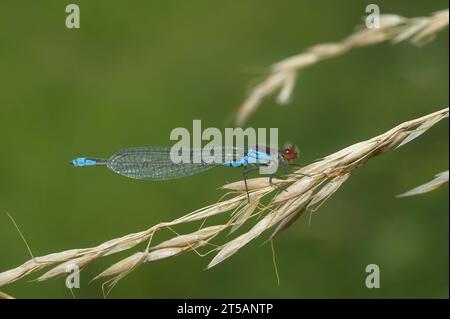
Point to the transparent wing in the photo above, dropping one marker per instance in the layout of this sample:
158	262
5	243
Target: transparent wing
153	163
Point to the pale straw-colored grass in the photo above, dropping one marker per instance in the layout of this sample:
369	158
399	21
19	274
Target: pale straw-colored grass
439	180
282	75
5	296
305	190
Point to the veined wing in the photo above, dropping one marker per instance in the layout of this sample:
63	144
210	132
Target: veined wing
154	163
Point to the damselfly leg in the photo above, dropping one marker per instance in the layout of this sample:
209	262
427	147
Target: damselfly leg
245	174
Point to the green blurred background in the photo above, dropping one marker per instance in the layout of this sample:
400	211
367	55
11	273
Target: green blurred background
137	69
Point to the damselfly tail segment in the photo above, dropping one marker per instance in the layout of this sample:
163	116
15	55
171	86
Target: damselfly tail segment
88	161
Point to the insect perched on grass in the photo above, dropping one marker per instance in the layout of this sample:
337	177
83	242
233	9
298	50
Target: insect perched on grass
155	163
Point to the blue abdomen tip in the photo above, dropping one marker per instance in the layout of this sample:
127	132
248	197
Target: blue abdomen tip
83	161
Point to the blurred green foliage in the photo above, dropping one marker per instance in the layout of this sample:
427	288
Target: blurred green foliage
137	69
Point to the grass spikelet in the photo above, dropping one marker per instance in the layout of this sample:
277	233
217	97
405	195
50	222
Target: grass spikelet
439	180
393	28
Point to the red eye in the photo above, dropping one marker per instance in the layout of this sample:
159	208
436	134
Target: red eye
290	154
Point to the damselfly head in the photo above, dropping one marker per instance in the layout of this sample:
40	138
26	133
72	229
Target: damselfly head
289	152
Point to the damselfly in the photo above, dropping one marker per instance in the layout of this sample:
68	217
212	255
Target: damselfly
156	163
